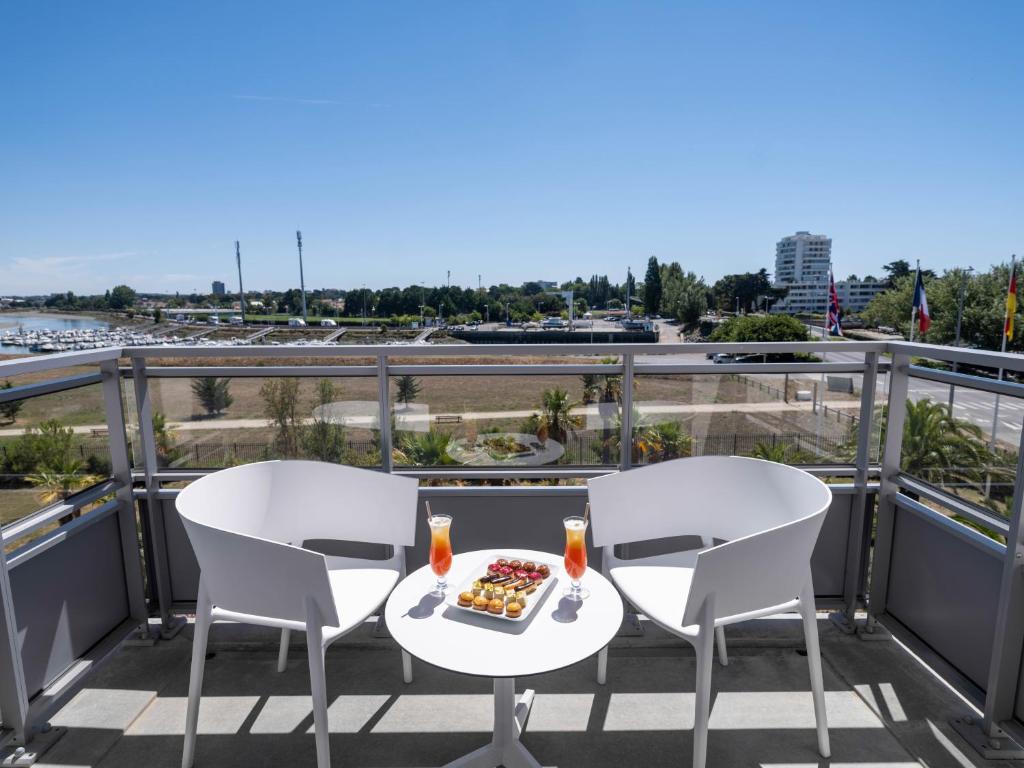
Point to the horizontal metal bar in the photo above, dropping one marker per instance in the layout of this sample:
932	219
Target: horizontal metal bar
1011	361
39	388
552	369
725	368
39	363
55	537
522	473
961	531
967	381
976	514
47	515
490	350
254	371
504	490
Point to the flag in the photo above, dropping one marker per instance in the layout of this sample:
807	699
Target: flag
1011	301
921	304
835	326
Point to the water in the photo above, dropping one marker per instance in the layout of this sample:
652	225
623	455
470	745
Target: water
39	322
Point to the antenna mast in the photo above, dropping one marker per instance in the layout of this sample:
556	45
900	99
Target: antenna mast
241	292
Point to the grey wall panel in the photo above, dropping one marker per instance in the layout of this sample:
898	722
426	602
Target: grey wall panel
944	589
67	599
528	520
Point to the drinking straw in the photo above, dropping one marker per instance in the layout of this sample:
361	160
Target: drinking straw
586	513
429	513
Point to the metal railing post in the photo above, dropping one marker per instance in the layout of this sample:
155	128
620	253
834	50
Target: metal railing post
13	693
121	470
857	533
626	434
896	413
384	404
170	625
1004	671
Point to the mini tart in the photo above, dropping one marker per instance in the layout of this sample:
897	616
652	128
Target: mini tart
543	570
536	576
515	565
520	573
513	610
529	566
466	599
502	562
496	607
505	570
492	569
480	603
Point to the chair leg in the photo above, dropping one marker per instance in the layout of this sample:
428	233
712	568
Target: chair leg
723	656
282	654
406	667
195	683
318	687
705	649
814	664
602	666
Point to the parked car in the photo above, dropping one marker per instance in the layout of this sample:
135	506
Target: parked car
296	322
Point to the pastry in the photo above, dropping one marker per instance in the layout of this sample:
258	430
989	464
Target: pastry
536	576
496	606
499	593
477	588
521	598
530	566
488	592
519	573
513	610
492	569
502	562
543	570
466	599
516	564
480	603
505	570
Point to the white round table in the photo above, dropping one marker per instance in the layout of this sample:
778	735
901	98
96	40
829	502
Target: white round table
557	634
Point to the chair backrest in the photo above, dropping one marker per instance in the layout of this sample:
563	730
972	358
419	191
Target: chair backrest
240	522
769	515
723	497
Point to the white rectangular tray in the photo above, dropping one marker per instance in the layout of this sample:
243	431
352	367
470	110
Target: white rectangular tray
532	601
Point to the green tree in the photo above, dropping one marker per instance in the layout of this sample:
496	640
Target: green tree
281	407
941	448
760	328
121	297
324	440
748	287
684	295
213	394
163	435
652	287
408	389
423	449
663	442
781	453
11	408
895	270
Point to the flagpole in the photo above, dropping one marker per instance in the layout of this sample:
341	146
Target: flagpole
824	358
913	302
1006	318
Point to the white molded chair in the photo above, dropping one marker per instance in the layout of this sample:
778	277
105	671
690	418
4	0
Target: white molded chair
768	516
247	526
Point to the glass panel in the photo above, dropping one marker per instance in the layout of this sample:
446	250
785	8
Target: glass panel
216	422
957	451
56	445
790	418
506	421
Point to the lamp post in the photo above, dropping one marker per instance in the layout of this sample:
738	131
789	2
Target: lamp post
959	320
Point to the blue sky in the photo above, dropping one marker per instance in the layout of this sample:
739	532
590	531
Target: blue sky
514	140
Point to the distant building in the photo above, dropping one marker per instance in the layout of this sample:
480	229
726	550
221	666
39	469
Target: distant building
547	285
801	267
218	288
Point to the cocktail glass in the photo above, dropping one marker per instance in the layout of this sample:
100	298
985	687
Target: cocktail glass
440	551
575	556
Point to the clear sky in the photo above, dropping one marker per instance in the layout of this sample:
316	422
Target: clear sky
517	140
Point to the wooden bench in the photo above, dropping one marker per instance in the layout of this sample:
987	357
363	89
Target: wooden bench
453	419
99	433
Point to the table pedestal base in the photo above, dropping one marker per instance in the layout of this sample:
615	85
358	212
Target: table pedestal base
505	748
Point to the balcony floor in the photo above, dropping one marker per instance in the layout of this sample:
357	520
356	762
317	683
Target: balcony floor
884	708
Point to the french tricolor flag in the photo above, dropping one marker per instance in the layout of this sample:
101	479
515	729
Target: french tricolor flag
921	304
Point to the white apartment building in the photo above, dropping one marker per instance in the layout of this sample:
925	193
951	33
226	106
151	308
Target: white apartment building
801	265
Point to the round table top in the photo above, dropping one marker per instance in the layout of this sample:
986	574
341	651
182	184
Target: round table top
556	634
537	453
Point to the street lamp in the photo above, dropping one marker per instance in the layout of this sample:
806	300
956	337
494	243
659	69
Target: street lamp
959	320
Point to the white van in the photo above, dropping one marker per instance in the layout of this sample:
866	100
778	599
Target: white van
180	319
213	320
328	323
296	322
236	320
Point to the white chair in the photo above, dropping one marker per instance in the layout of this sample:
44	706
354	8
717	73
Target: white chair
247	526
768	515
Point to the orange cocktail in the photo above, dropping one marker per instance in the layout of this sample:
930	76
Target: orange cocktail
575	556
440	550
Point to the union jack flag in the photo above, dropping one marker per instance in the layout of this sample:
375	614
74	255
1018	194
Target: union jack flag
834	323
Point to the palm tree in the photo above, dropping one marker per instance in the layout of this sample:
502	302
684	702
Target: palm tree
166	450
58	480
423	449
555	417
937	445
781	453
664	442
